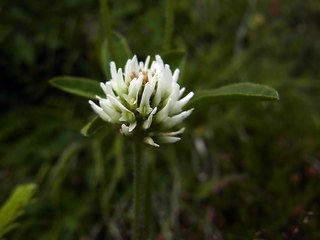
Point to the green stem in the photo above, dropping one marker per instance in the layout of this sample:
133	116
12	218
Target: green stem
107	26
137	177
148	199
169	24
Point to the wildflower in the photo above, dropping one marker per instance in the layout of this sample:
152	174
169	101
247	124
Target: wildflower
144	101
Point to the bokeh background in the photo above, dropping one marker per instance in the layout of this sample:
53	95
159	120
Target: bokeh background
242	170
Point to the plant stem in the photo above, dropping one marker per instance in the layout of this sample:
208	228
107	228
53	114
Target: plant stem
169	24
137	176
147	200
107	28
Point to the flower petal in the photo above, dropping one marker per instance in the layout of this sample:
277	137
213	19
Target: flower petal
125	130
115	102
109	109
178	105
171	121
175	75
149	140
163	114
132	126
147	123
144	108
173	133
134	90
107	88
168	139
99	111
117	81
146	64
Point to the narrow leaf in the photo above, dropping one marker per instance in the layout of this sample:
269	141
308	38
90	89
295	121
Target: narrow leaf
60	169
93	126
15	206
234	92
174	58
79	86
123	53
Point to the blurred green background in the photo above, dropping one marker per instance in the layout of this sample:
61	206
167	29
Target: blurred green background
241	171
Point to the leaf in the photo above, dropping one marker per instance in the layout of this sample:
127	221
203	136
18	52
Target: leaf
122	52
79	86
15	206
93	126
60	170
174	58
234	92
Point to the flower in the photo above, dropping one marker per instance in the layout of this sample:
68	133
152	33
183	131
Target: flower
144	101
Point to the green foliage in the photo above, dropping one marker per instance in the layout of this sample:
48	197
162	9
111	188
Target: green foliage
174	58
122	53
233	92
245	171
15	206
93	126
78	86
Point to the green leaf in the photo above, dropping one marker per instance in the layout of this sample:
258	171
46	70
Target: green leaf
234	92
59	171
123	53
15	206
79	86
93	126
174	58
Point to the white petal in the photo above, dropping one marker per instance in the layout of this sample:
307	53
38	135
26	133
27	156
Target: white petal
107	88
127	71
181	91
127	67
134	65
150	141
115	102
99	111
128	116
113	70
173	133
163	114
108	108
175	93
117	79
177	106
140	66
157	97
153	67
128	130
176	75
171	121
144	107
134	89
166	86
132	126
183	101
125	129
147	123
146	64
159	60
168	139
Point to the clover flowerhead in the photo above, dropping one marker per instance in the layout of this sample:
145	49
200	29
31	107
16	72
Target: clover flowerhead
145	102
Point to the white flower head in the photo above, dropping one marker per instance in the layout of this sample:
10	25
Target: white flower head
144	101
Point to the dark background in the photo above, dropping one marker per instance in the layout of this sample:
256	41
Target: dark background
241	171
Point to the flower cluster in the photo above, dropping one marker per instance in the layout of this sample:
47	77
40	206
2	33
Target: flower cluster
144	101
